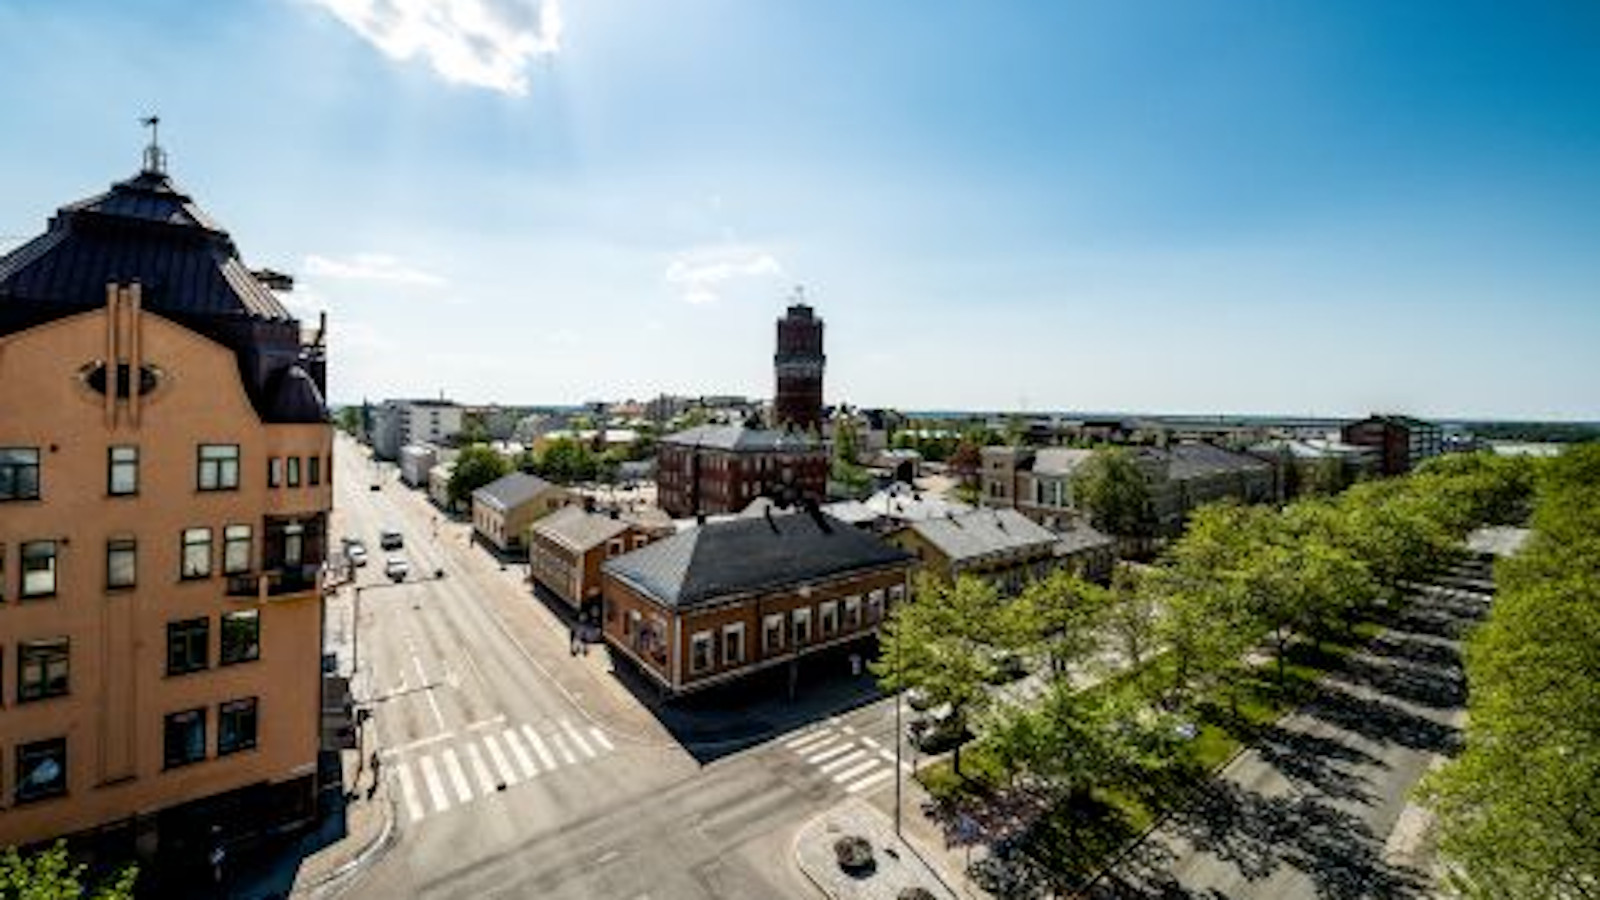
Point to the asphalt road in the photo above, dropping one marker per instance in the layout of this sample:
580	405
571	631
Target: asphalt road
518	770
1309	812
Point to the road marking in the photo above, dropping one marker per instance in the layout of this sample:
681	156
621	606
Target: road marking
502	766
392	752
561	747
458	777
794	743
577	739
889	758
476	672
539	747
523	759
601	739
430	774
845	760
870	742
831	751
428	691
608	856
853	771
485	779
868	781
813	741
408	790
848	729
489	723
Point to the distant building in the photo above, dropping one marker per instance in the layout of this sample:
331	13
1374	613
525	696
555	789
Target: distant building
416	461
566	548
719	469
1402	442
1302	463
798	364
403	422
1036	482
1001	546
503	509
439	485
728	599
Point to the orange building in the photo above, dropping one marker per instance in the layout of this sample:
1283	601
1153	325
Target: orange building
165	482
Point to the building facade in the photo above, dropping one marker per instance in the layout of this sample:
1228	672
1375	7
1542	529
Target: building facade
504	509
1001	546
1402	442
719	469
728	599
165	483
798	365
399	423
566	548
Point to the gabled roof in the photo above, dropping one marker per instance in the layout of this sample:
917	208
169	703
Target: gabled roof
1060	461
577	529
511	491
743	440
1200	460
907	504
1078	536
983	532
755	555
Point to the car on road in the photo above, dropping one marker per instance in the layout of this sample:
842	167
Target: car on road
391	539
397	568
355	553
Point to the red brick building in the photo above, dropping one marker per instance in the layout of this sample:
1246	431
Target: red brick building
798	365
1401	441
716	469
727	599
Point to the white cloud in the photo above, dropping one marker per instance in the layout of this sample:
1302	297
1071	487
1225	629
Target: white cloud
370	267
701	273
482	43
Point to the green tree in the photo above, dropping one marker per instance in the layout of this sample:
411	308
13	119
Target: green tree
51	875
475	467
566	461
1115	494
1132	621
1057	616
349	420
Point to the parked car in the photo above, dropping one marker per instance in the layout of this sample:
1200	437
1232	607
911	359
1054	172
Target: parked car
397	568
391	539
356	553
938	730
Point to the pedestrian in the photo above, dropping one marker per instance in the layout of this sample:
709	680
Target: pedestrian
573	641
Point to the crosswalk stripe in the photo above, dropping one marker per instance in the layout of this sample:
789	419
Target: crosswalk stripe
831	751
857	787
870	742
539	747
430	774
561	747
855	770
812	741
523	759
845	760
601	739
889	758
458	777
408	792
502	766
795	743
577	739
485	780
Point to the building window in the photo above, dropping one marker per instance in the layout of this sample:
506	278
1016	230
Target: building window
196	553
185	741
38	569
700	652
241	637
852	613
274	472
235	549
121	563
614	547
42	668
122	471
733	644
219	467
187	643
313	470
801	619
630	625
41	770
639	541
897	592
19	473
236	726
294	543
772	634
830	618
294	471
875	605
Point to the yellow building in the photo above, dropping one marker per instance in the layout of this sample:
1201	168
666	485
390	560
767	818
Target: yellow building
165	482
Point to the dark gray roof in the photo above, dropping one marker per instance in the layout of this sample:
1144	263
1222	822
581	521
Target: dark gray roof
752	555
292	396
1080	536
1200	460
577	529
510	491
741	439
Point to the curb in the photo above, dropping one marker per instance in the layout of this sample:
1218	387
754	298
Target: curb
365	857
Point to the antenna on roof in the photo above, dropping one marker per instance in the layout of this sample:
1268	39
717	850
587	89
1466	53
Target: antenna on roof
155	158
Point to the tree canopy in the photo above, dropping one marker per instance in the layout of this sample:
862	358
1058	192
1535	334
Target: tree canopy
1114	492
475	467
50	874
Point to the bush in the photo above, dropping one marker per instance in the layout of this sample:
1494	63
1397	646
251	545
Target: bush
854	853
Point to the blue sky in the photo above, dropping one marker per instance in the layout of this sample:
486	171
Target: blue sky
1274	206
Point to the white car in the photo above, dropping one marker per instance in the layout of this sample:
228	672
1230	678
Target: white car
397	568
357	554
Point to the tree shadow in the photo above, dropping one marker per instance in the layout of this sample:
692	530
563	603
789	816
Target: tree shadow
1425	685
1380	721
1415	650
1317	762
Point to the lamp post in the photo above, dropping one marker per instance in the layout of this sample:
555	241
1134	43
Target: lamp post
355	621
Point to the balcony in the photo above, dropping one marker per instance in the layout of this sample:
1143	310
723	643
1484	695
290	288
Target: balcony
276	582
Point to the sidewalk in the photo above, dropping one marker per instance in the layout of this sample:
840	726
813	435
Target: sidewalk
896	865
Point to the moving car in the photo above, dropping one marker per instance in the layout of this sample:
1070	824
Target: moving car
391	539
397	568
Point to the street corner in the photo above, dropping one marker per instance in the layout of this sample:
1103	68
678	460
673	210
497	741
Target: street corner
354	835
851	852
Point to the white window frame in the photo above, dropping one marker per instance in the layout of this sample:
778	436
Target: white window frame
828	614
697	640
797	616
875	605
728	631
852	613
768	646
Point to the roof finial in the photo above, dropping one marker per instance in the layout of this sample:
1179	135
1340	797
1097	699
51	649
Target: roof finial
155	158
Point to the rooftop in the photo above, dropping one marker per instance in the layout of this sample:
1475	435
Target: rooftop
510	491
983	532
740	439
579	530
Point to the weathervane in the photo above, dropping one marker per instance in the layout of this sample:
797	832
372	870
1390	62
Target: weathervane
155	158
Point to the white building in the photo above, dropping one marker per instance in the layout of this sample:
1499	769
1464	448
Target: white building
404	422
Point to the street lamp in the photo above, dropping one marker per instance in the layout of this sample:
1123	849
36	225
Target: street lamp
355	624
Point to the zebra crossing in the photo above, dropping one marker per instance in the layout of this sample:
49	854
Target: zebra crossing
460	769
855	762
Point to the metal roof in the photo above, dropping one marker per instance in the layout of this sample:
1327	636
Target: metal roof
983	532
743	440
510	491
577	529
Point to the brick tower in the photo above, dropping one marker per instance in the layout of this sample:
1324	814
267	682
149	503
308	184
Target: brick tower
798	364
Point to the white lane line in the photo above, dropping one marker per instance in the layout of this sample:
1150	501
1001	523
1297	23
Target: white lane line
523	759
408	791
795	743
430	774
848	729
601	739
871	743
393	752
831	751
539	747
458	777
502	766
577	739
853	771
861	785
427	691
486	781
813	741
889	758
845	760
561	747
488	723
